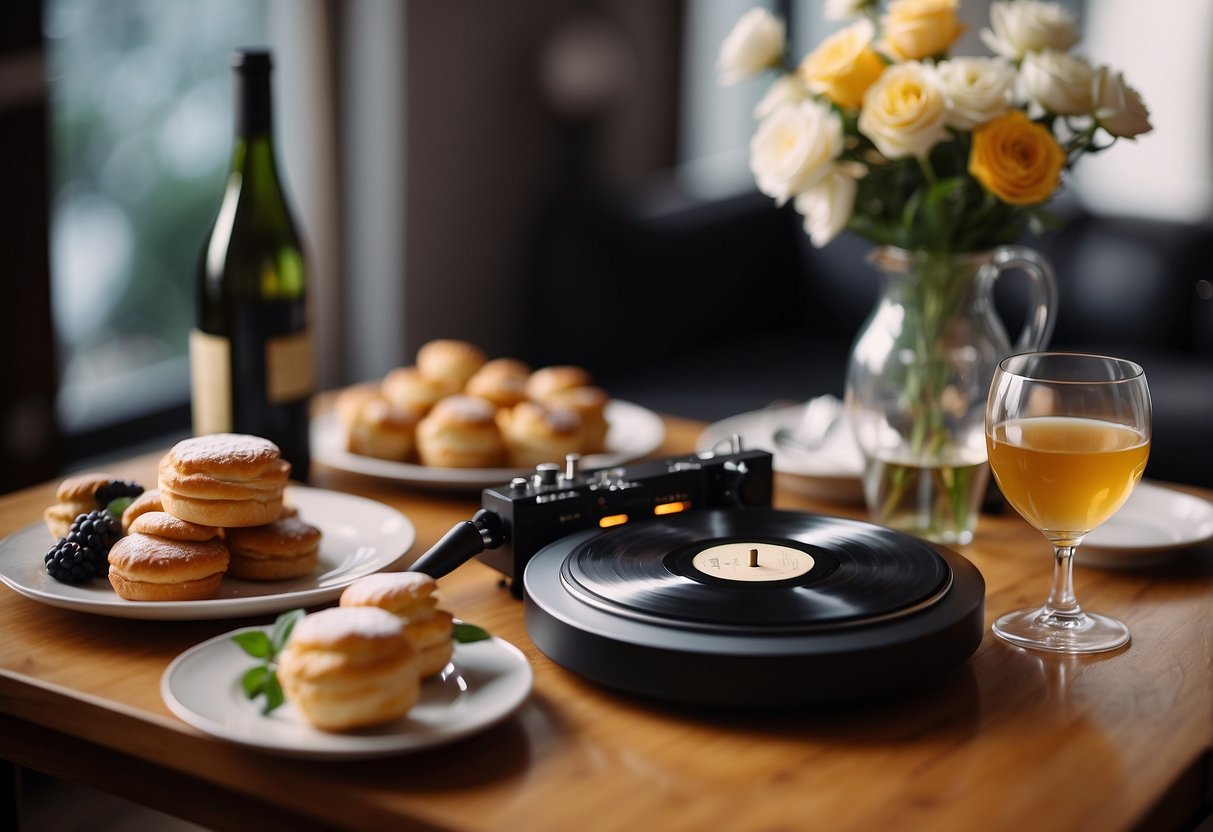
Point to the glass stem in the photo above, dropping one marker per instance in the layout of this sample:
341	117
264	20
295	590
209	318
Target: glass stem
1062	602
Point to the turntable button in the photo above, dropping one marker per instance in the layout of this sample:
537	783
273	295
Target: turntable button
519	484
572	466
547	473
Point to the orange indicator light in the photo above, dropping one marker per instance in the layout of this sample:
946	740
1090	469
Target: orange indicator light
671	508
612	520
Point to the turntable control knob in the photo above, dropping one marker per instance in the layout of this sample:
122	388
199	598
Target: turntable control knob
519	484
547	473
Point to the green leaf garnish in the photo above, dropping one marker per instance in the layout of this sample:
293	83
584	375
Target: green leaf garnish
273	693
262	679
256	643
283	627
465	633
118	505
253	680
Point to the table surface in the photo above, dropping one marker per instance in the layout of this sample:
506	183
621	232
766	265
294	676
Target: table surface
1011	739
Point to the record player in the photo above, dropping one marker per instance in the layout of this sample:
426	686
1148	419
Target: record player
676	579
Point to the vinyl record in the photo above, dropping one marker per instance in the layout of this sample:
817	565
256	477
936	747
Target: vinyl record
760	569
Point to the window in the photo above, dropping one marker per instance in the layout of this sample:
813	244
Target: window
141	137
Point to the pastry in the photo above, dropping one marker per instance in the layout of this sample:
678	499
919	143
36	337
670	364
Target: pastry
286	548
460	432
235	457
163	524
375	427
224	480
222	513
534	433
589	403
350	399
547	380
502	381
451	360
350	667
76	495
148	567
145	502
410	389
409	596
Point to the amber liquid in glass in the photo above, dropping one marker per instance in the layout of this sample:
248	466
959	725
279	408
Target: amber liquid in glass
1063	473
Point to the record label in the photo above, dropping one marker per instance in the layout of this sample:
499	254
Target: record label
751	562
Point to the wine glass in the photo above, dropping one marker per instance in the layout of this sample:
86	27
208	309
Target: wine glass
1068	436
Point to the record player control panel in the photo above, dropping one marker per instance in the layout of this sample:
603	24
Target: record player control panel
519	518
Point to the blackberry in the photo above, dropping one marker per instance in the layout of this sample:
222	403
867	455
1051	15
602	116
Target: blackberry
114	489
83	553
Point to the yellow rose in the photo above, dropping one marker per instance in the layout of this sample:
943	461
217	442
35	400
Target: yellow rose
1016	159
915	29
843	65
904	112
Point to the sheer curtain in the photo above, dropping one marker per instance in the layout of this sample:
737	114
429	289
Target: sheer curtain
1163	49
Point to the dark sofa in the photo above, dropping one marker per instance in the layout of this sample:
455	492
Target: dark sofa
707	309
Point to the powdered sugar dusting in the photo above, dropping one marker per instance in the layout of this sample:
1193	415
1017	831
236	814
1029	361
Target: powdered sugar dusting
472	408
225	447
563	420
338	623
386	584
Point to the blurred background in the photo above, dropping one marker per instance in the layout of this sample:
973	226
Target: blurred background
565	182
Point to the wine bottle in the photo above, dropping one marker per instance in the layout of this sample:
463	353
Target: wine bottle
251	354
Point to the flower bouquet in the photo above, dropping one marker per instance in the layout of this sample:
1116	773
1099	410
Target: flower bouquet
942	162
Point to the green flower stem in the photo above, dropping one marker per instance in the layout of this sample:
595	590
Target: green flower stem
931	295
928	172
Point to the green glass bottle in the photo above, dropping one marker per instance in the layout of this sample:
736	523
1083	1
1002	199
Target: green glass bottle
251	354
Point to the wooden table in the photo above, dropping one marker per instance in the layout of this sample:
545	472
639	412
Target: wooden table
1010	740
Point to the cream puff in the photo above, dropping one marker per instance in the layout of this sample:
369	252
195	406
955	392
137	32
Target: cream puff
286	548
534	433
411	390
547	380
461	432
224	480
75	496
502	381
409	596
589	403
378	428
148	565
350	667
451	360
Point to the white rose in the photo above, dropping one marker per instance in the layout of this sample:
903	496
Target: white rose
793	147
904	112
827	206
787	89
846	9
1117	107
1058	81
975	90
1028	26
755	43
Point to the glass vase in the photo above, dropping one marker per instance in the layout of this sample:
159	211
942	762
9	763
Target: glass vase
918	378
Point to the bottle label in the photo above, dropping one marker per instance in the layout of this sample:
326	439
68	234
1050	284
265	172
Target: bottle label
210	382
289	373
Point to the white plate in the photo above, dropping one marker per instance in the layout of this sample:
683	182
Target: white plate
484	683
360	536
832	472
1153	524
633	432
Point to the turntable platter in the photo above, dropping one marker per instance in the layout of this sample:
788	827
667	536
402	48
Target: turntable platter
760	569
753	607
